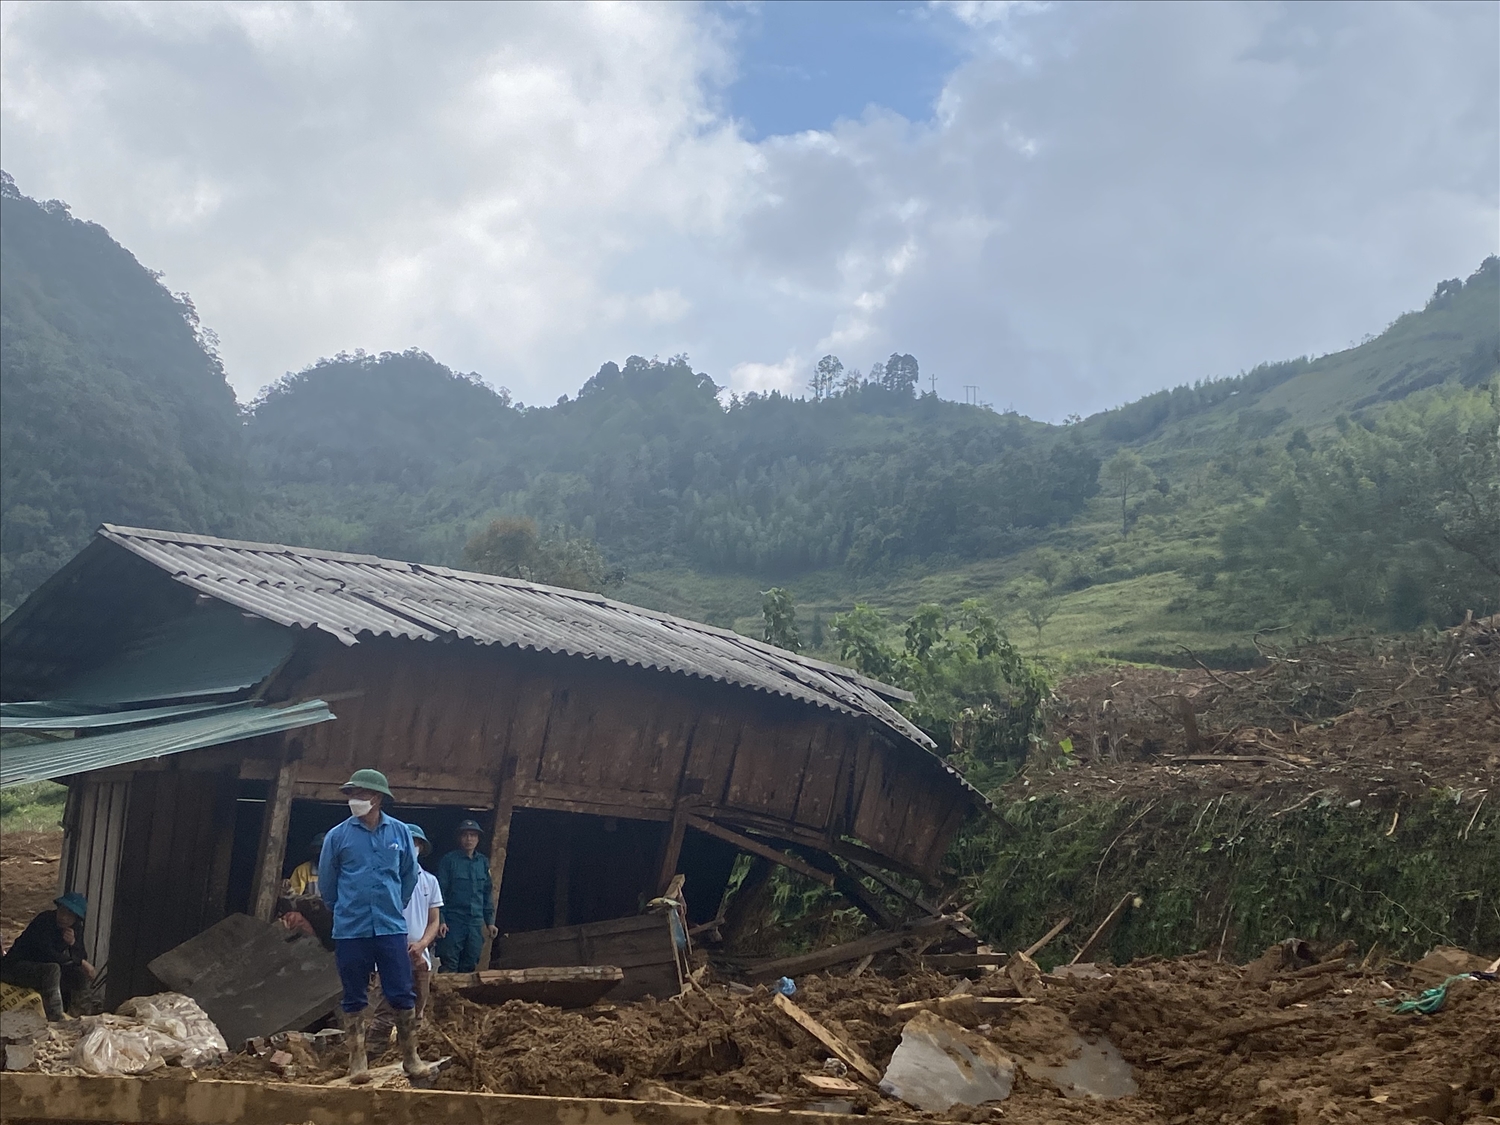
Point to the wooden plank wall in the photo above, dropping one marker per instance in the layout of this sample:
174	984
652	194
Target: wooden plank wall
94	832
610	740
179	834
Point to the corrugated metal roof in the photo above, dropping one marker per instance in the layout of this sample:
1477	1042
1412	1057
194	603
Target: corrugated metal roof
40	761
352	596
215	650
75	714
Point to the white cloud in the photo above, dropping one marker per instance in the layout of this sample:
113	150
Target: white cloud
763	377
1108	199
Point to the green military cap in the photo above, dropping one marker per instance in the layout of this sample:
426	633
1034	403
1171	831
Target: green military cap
373	780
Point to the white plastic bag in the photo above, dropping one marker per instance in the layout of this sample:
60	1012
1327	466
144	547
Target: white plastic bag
180	1030
148	1032
115	1046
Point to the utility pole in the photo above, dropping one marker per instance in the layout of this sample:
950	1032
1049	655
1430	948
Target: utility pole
971	394
933	379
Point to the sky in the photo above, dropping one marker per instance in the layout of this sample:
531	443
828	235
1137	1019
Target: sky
1065	205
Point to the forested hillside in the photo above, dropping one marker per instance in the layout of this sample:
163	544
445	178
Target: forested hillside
112	403
397	452
1359	489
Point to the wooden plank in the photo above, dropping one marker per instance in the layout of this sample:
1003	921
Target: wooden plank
1036	947
272	852
833	1042
959	962
1096	939
820	780
890	884
849	951
563	986
134	1101
640	945
505	804
970	1006
755	847
587	794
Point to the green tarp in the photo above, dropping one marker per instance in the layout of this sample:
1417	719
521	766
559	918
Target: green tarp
58	757
213	651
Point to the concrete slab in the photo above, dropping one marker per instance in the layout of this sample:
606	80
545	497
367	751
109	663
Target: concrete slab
252	977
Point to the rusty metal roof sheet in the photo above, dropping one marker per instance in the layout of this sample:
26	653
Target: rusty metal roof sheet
352	596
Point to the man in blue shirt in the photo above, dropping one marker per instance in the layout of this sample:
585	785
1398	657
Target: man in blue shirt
468	913
367	871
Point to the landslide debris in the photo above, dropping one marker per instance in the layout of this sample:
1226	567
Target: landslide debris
1207	1041
1354	719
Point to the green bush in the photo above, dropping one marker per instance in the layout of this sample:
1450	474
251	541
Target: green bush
1236	871
33	807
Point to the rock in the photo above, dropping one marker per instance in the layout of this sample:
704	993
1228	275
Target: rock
21	1025
1097	1070
939	1064
19	1056
1085	970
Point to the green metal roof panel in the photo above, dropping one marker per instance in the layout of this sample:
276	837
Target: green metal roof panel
213	651
42	761
73	714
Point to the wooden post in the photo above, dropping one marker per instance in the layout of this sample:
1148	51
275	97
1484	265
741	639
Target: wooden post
672	845
505	804
278	817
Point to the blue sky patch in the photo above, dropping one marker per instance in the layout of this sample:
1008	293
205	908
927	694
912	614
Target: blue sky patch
803	64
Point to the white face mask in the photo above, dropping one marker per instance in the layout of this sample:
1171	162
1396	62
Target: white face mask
358	807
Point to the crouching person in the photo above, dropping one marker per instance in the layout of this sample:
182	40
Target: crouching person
366	874
49	955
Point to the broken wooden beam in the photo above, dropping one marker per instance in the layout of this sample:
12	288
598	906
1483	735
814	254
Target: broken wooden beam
1305	990
959	962
964	1004
850	1055
135	1101
756	847
277	818
1097	937
562	986
849	951
1036	947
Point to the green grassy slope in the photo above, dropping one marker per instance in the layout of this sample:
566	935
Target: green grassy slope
1162	589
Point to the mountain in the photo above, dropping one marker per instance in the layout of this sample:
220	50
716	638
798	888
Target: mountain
113	406
1354	490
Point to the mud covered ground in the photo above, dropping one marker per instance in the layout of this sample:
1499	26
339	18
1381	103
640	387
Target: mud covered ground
1361	720
1207	1042
28	878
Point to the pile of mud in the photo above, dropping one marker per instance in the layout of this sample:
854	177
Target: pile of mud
1351	719
1274	1041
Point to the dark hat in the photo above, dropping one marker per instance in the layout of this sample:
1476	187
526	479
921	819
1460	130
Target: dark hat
372	780
75	902
468	826
417	833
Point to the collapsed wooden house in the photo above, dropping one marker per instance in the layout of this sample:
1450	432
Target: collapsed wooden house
204	698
